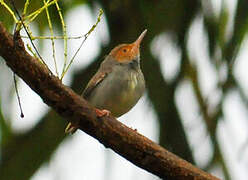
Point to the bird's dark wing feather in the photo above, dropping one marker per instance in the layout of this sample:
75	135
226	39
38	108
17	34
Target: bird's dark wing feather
94	82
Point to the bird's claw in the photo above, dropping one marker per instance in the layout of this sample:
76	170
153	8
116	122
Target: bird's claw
72	127
101	113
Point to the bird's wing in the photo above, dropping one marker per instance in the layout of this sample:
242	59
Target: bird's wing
94	82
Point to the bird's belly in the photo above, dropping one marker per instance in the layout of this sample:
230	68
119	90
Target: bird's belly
119	98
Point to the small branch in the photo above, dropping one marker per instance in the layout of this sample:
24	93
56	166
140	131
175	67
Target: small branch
65	37
9	10
50	25
113	134
85	38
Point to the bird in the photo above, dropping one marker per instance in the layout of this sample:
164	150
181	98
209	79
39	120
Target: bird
118	84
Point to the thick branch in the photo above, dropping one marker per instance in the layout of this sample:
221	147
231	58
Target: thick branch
110	132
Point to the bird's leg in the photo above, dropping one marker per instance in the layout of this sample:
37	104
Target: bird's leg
72	127
101	113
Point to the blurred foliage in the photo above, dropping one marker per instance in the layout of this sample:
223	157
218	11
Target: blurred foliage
125	20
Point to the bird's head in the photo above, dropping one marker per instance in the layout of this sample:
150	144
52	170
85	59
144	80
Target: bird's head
128	52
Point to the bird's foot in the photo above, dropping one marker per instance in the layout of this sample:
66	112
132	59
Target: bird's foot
101	113
71	128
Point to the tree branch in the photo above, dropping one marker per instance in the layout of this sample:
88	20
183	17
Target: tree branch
113	134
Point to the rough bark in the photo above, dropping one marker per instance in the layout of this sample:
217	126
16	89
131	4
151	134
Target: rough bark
113	134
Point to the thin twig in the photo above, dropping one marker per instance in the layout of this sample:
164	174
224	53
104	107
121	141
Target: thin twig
85	37
25	8
52	35
28	34
34	14
18	97
65	37
9	10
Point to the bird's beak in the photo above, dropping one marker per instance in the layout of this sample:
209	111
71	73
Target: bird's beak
137	43
140	38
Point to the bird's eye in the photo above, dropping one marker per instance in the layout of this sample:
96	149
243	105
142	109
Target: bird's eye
124	50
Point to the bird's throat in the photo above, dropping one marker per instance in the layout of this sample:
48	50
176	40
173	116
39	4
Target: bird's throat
134	64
